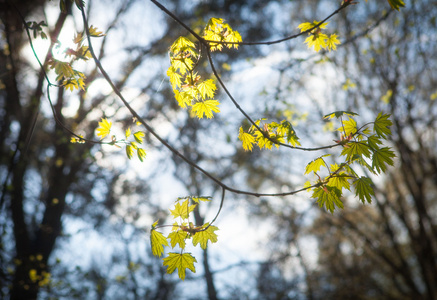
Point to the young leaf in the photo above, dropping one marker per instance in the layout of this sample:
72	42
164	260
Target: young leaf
318	41
182	210
315	165
181	262
381	158
332	42
158	242
141	154
363	189
204	199
207	88
202	237
104	128
206	108
139	136
129	151
178	237
247	139
94	32
349	127
128	132
175	78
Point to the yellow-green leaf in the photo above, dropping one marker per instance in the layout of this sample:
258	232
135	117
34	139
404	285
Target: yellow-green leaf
206	108
247	139
363	189
181	262
182	210
207	88
129	151
139	135
158	241
315	165
332	42
204	236
396	4
104	128
128	132
141	154
178	237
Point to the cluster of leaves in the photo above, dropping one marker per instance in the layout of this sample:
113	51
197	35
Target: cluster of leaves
360	146
316	38
67	76
272	133
182	229
36	28
189	88
132	145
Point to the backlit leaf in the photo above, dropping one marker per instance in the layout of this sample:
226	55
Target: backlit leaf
206	108
181	262
381	158
158	242
204	236
207	88
104	128
315	165
382	124
182	210
363	189
178	237
247	139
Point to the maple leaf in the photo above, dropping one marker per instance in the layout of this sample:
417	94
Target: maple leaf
175	78
206	108
382	124
381	158
356	148
182	210
104	128
178	237
158	241
247	139
318	41
332	42
204	236
181	262
207	88
94	32
315	165
183	98
349	127
329	197
363	189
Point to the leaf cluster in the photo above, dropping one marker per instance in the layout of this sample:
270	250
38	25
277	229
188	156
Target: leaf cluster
316	38
182	229
360	146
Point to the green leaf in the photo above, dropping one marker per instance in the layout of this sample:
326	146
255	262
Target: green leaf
182	210
338	114
363	189
315	165
381	158
178	237
175	78
204	236
158	242
206	108
373	141
329	197
181	262
353	149
382	124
